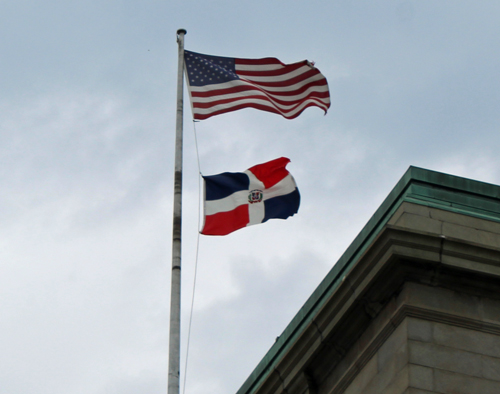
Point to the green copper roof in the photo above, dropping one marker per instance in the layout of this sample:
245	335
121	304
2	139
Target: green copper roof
418	186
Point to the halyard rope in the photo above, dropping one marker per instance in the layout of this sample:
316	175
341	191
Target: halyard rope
196	257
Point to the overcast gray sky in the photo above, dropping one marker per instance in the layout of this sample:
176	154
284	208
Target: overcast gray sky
87	124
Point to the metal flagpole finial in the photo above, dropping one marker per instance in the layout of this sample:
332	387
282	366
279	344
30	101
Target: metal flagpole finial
181	31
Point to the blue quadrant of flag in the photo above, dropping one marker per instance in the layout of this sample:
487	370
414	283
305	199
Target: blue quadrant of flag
282	207
223	185
206	69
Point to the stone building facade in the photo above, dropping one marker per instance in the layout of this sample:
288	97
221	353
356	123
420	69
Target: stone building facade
412	307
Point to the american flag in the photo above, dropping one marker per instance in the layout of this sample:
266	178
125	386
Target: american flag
222	84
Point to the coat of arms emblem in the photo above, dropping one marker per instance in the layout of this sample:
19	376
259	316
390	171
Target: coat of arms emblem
255	196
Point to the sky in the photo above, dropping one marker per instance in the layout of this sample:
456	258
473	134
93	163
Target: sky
87	130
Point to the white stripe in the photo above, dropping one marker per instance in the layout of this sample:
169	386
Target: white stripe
256	211
258	67
226	204
276	78
255	183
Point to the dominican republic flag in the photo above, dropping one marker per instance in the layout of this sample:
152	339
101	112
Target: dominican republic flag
234	200
224	84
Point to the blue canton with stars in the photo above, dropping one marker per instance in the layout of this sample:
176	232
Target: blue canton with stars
207	70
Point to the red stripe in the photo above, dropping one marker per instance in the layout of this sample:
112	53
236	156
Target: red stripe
223	223
261	107
259	62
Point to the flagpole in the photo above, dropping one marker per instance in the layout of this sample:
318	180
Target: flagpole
174	355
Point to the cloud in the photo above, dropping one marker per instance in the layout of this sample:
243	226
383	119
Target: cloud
83	245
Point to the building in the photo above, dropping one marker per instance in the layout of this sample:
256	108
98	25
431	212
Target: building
413	305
